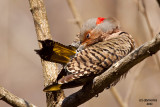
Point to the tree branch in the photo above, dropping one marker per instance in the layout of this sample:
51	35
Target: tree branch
13	100
50	70
115	71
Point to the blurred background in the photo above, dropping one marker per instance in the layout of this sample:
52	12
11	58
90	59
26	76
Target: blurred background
20	67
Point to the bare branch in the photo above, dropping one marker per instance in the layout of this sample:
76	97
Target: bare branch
115	71
75	13
50	70
142	8
13	100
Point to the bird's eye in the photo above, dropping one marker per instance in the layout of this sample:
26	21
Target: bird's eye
88	35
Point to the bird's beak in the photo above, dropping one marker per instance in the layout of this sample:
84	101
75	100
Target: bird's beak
81	47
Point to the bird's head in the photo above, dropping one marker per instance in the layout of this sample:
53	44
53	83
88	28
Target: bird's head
97	30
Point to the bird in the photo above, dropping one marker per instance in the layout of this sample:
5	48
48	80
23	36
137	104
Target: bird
101	43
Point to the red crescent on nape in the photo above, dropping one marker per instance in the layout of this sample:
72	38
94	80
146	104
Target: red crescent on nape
99	20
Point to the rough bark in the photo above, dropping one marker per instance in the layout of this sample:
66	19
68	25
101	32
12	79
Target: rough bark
50	70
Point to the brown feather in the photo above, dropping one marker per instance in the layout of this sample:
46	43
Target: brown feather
97	58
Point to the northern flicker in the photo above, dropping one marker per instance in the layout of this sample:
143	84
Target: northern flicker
102	43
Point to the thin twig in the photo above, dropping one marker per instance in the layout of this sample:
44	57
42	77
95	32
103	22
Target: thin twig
117	96
13	100
142	7
75	13
113	73
132	83
140	67
50	70
147	19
